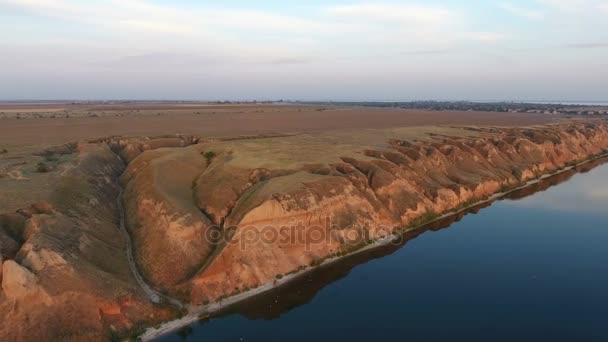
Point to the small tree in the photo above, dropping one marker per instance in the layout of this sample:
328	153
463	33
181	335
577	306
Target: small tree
209	155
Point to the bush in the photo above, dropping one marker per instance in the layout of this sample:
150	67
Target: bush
505	188
3	151
279	276
209	155
316	262
42	168
51	157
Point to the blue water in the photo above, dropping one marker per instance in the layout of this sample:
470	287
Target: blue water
529	269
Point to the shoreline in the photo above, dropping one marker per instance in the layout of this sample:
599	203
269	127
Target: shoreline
196	313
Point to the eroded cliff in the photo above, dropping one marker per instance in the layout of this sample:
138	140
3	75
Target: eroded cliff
209	218
64	273
219	217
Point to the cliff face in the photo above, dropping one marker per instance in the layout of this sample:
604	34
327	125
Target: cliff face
215	218
209	219
64	270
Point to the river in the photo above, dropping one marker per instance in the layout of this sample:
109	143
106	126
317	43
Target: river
530	267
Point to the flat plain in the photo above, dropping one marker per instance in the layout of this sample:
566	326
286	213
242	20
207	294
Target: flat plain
36	124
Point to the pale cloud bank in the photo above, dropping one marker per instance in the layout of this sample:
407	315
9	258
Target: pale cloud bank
409	14
345	41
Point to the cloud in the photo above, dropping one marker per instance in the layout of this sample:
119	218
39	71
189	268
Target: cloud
244	28
600	45
161	61
260	20
286	61
484	37
154	26
186	61
143	16
426	52
137	27
521	11
49	7
133	32
584	10
365	39
421	27
412	14
111	13
570	6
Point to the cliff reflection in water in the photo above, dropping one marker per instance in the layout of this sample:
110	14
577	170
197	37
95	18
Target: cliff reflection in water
301	291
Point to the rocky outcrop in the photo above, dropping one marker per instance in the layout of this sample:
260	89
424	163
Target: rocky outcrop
19	282
211	227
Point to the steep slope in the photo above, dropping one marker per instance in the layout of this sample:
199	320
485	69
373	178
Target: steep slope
209	219
251	211
64	272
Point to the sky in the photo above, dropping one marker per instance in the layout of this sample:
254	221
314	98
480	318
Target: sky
343	50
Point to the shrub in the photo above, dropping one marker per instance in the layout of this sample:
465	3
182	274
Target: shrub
51	157
316	262
505	188
209	155
3	151
425	218
42	167
279	276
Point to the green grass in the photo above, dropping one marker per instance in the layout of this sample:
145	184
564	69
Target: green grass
505	188
51	157
424	218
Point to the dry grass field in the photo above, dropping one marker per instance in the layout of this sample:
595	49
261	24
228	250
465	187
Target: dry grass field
321	133
33	125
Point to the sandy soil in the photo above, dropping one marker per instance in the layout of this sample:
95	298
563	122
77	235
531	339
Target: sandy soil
36	127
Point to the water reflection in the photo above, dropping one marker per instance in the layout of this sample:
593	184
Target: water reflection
586	195
517	271
185	332
302	291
